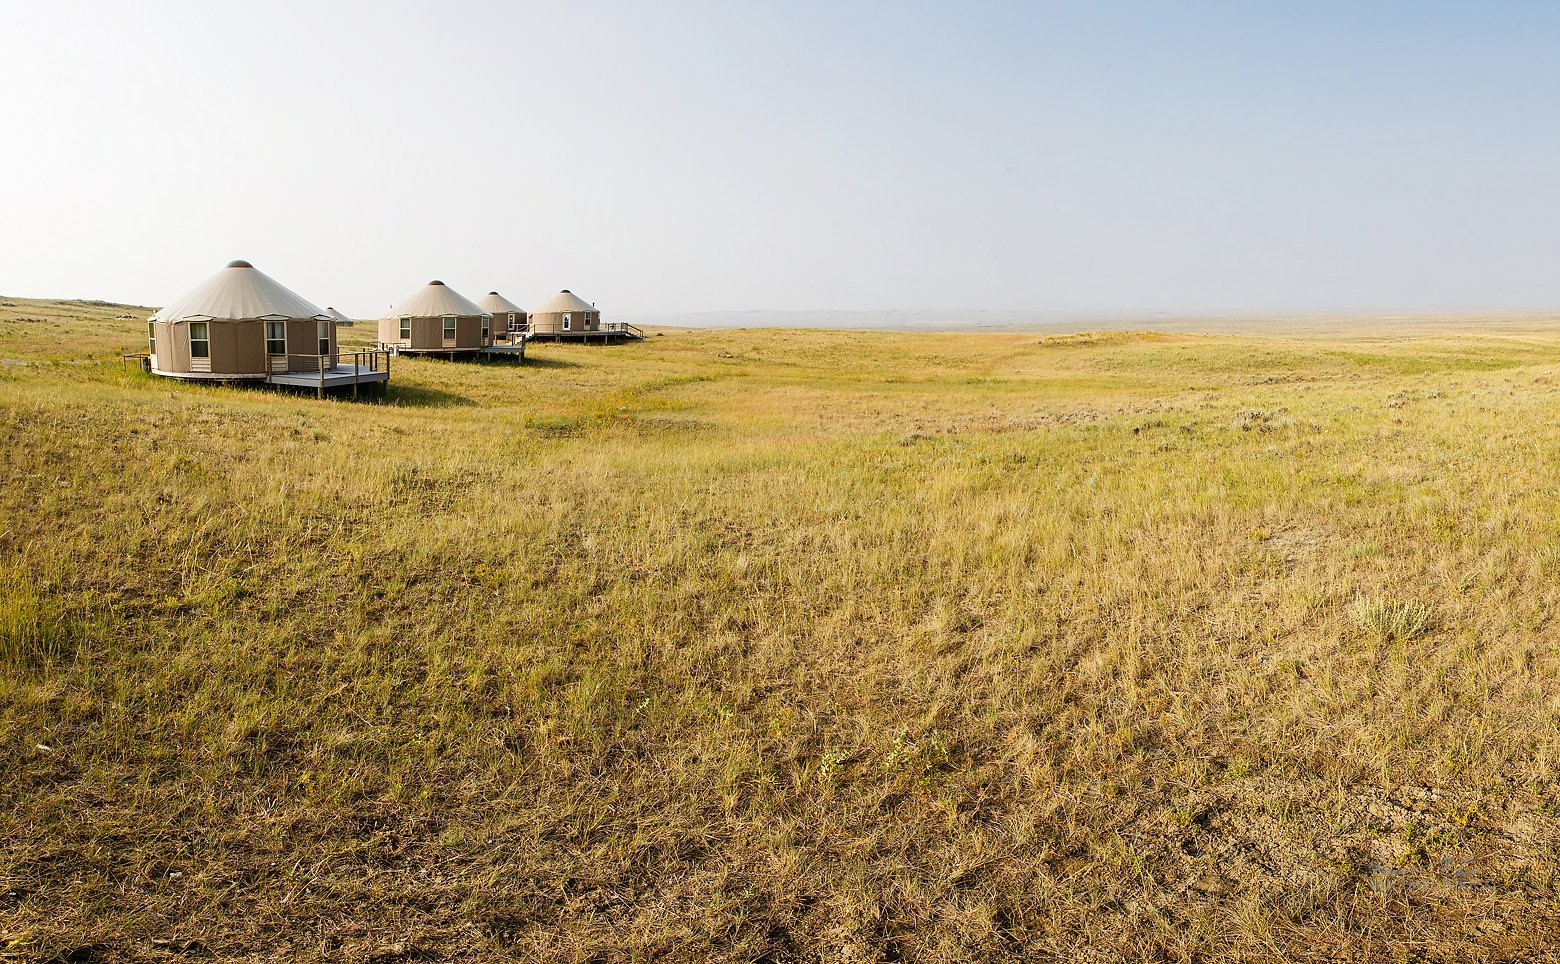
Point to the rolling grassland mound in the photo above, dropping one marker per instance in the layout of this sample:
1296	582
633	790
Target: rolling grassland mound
786	645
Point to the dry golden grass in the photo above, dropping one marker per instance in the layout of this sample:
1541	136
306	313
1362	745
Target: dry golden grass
785	645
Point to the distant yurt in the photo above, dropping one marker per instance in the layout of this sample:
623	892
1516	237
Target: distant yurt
565	312
436	318
508	317
340	319
241	323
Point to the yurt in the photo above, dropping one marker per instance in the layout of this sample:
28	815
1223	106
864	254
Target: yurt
565	312
508	317
241	323
340	318
436	318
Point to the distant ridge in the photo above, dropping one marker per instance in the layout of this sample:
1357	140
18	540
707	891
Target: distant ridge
1221	322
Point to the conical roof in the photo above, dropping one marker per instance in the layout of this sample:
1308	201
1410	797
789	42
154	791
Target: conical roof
435	300
499	305
341	319
564	300
241	292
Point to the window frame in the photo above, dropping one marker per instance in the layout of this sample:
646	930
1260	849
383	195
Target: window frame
406	329
270	341
487	330
567	319
449	329
204	340
323	332
151	337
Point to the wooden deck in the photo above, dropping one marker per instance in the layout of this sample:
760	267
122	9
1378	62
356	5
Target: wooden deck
514	350
342	376
351	369
507	350
613	333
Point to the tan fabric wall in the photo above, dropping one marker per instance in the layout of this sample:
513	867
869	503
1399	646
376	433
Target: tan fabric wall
428	333
390	332
237	347
173	347
502	327
468	332
553	321
303	346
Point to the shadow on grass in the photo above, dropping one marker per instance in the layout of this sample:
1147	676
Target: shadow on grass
534	361
413	396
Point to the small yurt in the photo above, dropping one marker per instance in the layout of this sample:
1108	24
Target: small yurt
340	318
240	323
508	317
565	312
436	318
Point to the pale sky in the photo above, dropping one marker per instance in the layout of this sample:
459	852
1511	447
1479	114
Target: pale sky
674	156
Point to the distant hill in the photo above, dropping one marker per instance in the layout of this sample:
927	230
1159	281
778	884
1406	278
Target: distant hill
1255	322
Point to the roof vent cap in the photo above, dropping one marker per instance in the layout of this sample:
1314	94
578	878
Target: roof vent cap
239	264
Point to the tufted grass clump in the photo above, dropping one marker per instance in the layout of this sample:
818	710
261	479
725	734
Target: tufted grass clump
1393	620
33	628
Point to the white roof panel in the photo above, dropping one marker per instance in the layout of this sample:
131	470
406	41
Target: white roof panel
499	305
564	300
435	300
241	292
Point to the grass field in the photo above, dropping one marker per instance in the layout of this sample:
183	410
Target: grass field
786	645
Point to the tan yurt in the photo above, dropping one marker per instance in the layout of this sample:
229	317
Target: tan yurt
436	318
340	318
239	324
508	317
564	313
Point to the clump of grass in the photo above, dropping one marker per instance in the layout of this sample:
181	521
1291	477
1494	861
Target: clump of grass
33	628
1393	620
1261	420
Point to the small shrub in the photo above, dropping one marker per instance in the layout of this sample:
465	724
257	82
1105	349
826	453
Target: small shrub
1393	620
915	758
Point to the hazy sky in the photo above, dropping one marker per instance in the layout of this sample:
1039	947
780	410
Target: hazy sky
687	156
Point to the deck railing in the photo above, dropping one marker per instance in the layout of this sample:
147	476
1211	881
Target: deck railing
361	359
624	327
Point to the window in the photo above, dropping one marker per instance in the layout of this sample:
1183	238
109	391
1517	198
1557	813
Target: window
565	322
276	338
200	339
151	337
449	329
406	329
487	330
511	321
324	338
